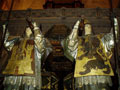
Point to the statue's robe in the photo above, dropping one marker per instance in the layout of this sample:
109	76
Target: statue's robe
22	59
92	59
23	70
92	68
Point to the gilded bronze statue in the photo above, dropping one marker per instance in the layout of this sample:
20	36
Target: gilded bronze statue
23	70
91	53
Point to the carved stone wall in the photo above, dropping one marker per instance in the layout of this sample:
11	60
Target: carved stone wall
99	18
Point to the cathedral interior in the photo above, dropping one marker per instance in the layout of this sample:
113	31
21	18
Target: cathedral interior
56	19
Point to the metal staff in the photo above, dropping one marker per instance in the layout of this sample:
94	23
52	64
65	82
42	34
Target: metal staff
116	57
7	23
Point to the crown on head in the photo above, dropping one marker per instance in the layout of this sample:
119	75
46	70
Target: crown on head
86	21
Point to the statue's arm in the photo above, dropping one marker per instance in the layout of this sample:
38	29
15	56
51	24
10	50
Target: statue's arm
41	43
9	43
70	44
108	39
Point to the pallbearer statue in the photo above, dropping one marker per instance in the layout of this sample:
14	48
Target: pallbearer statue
23	70
91	53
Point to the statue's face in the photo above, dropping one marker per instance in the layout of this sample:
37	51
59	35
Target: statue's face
88	29
28	32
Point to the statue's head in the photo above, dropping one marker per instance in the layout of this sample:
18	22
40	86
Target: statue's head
87	28
28	32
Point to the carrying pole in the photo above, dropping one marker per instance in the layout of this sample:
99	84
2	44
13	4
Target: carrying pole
6	27
116	56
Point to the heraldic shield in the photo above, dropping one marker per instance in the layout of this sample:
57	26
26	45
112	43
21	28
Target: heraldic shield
92	58
21	61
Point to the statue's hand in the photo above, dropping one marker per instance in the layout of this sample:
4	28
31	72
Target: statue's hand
74	33
73	37
37	31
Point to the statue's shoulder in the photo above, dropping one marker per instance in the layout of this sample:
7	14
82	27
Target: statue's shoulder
101	35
